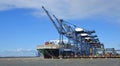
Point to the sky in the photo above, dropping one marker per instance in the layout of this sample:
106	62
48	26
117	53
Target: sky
24	24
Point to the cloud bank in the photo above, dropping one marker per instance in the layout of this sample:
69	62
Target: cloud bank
75	9
18	52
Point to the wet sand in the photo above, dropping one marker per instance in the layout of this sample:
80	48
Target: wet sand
58	62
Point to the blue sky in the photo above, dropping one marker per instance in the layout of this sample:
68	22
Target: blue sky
24	25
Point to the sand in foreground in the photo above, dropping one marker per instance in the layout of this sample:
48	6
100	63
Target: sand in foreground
58	62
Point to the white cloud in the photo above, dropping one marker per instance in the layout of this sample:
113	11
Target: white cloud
75	9
18	52
23	50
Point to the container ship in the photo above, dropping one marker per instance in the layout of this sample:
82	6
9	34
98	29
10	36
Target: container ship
53	49
49	50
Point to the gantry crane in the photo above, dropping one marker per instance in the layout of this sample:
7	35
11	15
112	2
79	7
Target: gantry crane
85	43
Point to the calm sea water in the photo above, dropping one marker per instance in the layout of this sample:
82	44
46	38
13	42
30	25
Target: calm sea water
58	62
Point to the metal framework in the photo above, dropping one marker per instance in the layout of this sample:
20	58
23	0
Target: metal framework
84	41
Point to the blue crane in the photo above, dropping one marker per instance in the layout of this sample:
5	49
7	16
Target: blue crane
82	39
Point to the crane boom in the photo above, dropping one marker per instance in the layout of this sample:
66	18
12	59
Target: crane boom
51	19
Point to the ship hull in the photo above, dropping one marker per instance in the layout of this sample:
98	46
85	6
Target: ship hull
49	53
